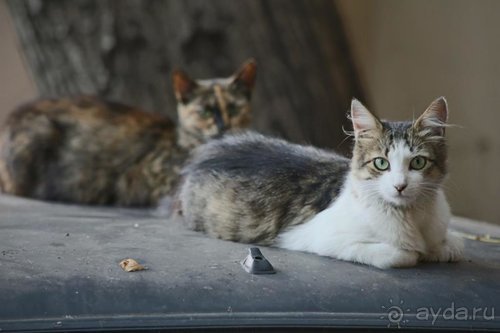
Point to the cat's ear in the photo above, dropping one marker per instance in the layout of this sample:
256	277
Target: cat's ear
244	77
363	121
183	86
433	120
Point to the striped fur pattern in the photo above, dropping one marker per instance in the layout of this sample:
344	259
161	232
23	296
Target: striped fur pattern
384	207
90	151
248	188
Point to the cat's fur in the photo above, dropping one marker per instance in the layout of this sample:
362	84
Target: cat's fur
255	189
87	150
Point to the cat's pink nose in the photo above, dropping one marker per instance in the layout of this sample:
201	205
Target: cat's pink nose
401	187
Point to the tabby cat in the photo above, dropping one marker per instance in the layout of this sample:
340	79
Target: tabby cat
90	151
384	207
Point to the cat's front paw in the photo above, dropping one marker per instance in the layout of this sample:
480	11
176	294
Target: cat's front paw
451	250
397	259
381	255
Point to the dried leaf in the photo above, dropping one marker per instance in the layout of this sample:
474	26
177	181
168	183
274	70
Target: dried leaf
130	265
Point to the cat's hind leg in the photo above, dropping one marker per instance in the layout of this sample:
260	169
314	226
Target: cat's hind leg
25	145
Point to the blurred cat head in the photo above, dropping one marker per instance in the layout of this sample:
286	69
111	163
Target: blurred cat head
209	108
399	162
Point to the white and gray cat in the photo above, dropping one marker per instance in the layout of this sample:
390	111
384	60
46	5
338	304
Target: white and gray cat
385	207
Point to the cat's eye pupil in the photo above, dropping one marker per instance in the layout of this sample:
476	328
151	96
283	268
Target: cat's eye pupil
418	163
381	163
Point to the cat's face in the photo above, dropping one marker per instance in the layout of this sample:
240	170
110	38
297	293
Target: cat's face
210	108
399	162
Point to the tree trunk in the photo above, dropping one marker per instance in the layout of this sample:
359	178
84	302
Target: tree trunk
125	50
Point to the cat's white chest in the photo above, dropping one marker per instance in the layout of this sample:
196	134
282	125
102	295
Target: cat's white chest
351	223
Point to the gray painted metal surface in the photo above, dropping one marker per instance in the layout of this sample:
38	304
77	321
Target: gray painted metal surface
59	270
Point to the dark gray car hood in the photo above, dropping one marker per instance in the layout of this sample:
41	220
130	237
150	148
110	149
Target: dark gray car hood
59	270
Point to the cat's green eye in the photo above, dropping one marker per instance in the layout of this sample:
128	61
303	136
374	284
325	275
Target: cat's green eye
381	163
232	110
206	113
418	163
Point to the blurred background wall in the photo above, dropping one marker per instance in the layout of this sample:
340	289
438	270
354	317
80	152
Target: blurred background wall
126	50
409	52
406	52
16	84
